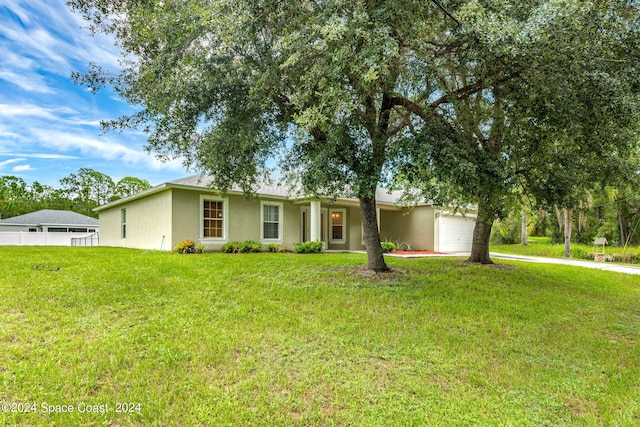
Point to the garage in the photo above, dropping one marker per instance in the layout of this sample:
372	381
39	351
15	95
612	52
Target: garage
454	232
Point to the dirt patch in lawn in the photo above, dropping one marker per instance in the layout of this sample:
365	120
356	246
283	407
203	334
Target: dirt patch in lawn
46	267
417	253
494	265
390	275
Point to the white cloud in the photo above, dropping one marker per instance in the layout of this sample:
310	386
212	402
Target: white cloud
46	119
46	156
105	149
16	7
51	35
23	168
30	82
8	133
8	162
58	114
57	130
30	110
12	60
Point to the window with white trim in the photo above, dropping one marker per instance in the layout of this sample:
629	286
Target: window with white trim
214	218
338	225
271	221
123	219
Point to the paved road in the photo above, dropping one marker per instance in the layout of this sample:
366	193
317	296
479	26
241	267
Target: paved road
587	264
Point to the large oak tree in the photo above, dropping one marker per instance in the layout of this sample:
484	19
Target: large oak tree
560	112
347	92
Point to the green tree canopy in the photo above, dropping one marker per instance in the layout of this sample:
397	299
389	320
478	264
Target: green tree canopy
129	186
14	196
561	111
363	88
81	192
88	189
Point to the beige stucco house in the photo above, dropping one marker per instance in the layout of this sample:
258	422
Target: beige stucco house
189	208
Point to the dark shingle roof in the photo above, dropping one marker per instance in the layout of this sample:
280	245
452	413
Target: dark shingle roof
382	195
206	181
51	217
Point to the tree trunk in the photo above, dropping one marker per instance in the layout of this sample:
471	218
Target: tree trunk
524	234
375	257
623	237
482	235
567	233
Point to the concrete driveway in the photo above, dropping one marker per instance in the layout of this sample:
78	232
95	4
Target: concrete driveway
618	268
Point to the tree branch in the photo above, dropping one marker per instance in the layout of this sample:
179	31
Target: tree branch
409	105
473	88
449	14
385	114
405	121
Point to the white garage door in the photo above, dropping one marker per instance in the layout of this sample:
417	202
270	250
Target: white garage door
455	233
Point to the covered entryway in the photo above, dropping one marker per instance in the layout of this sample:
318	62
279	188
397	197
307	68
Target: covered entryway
306	234
333	224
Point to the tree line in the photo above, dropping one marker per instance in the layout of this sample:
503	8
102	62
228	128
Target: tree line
79	192
601	211
472	101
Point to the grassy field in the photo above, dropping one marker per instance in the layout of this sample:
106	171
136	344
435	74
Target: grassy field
308	340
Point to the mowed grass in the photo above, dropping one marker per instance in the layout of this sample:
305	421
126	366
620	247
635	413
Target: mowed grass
307	340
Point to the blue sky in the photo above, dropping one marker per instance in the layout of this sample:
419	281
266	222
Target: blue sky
50	127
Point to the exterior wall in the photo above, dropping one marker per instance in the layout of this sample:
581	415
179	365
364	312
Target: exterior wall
185	216
292	225
176	214
414	227
16	227
354	219
148	220
243	219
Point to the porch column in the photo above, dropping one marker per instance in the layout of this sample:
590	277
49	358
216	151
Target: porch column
314	218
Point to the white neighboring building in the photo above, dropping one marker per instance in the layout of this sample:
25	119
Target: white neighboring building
49	227
49	220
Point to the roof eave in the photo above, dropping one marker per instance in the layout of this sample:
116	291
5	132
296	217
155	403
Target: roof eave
297	198
169	185
145	193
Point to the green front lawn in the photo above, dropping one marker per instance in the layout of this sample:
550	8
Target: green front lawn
285	339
